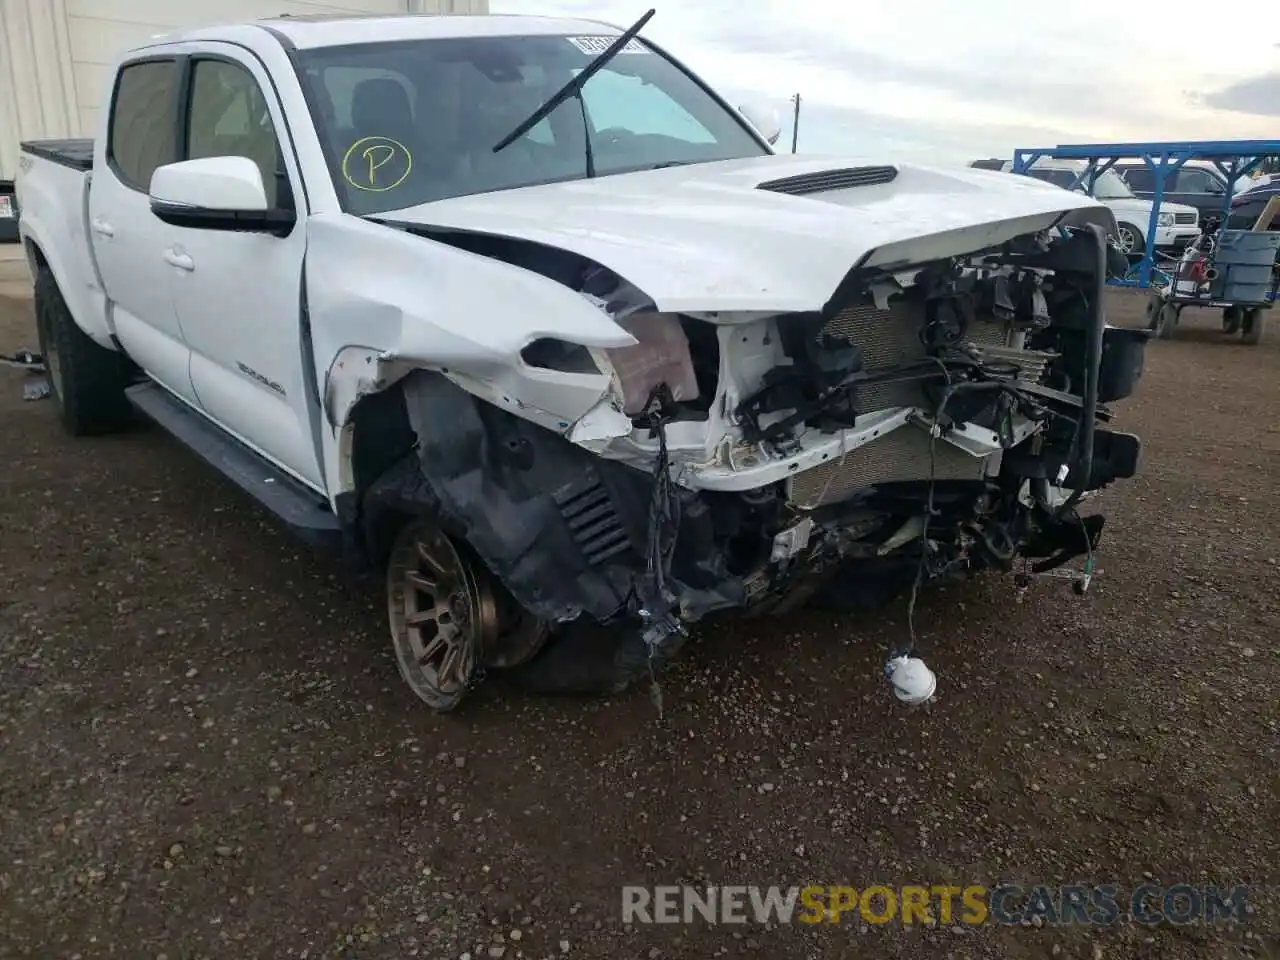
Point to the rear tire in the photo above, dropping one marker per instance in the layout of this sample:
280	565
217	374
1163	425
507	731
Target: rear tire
1254	321
86	380
1231	320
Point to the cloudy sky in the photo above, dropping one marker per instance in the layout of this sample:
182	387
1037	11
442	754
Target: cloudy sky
954	81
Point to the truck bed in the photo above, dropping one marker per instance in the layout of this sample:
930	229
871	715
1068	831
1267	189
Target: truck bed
75	153
53	196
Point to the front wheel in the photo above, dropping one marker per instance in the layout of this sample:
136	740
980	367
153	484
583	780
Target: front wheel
86	380
437	616
1129	240
449	620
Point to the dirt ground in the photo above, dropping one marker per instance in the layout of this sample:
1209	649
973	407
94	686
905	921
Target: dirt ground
206	751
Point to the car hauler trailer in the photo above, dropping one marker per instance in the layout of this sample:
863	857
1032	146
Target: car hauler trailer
1231	269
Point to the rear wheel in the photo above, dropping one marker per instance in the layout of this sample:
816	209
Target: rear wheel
1231	319
86	380
1252	323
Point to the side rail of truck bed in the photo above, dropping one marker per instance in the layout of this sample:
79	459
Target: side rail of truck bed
77	154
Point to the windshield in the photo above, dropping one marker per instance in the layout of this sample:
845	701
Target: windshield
1110	186
409	122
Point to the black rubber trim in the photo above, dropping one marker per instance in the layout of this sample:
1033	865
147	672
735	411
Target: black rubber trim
277	222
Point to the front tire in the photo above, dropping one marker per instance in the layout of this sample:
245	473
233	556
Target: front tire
86	380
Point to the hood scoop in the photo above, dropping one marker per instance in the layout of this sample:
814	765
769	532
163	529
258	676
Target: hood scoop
825	180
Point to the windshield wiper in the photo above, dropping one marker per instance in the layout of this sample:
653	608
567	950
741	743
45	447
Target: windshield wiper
575	85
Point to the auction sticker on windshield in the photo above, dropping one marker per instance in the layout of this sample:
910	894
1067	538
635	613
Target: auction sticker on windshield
376	164
598	45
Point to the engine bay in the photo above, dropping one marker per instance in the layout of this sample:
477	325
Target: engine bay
934	420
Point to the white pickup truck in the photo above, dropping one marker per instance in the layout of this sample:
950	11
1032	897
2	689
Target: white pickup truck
522	311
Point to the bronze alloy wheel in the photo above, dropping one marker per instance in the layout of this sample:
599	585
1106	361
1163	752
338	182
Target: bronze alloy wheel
440	615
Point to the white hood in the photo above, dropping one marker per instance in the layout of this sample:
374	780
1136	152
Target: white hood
705	238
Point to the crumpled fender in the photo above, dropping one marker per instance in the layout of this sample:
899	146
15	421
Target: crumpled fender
381	302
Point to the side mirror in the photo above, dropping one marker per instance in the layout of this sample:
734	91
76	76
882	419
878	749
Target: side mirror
216	193
764	118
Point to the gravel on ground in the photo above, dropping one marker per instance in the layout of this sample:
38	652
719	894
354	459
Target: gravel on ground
206	750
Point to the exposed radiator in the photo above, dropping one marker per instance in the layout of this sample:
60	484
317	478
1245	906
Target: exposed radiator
891	337
900	455
888	338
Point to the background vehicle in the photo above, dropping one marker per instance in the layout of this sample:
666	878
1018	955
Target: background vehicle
520	311
1247	207
1177	223
1196	185
1260	181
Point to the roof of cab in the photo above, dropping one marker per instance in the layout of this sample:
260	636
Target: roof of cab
326	31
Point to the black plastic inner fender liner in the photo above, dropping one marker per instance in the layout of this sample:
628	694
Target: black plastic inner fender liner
563	530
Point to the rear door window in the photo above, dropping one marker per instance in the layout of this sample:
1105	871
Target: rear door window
143	127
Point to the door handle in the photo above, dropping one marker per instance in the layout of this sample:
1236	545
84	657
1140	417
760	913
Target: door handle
180	260
101	226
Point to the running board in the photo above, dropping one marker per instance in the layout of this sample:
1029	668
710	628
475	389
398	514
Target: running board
298	507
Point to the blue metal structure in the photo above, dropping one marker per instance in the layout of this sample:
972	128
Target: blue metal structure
1233	158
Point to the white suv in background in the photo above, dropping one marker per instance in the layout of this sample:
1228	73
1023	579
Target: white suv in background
1177	225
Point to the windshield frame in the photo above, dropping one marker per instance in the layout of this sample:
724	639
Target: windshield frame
298	60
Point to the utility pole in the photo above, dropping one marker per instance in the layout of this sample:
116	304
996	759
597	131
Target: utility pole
795	122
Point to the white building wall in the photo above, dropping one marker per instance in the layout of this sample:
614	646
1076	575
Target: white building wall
56	55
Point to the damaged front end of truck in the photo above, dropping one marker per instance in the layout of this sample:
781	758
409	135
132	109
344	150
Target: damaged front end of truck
932	418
